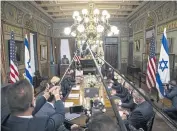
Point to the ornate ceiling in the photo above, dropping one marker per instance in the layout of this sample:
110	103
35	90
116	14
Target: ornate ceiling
63	9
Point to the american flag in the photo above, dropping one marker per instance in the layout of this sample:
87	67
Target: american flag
14	74
151	65
77	58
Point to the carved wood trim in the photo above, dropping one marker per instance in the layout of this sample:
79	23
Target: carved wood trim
3	67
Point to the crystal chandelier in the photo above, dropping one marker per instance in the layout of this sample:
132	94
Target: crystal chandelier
91	24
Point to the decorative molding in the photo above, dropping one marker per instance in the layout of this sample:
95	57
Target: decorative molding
150	20
165	11
9	28
19	14
169	26
138	36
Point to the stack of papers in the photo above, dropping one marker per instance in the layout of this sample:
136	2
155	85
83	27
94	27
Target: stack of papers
68	104
76	96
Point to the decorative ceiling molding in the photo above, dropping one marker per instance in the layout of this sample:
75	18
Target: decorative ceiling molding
63	9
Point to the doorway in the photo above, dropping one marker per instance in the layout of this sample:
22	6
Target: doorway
111	52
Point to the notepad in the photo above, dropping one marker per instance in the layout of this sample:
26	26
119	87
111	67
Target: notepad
73	96
72	116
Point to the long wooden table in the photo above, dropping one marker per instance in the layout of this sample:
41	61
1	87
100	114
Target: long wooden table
81	100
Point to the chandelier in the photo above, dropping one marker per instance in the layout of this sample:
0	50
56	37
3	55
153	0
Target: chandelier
91	24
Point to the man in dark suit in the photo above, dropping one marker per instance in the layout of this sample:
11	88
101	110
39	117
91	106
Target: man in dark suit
21	102
171	94
141	114
101	122
48	108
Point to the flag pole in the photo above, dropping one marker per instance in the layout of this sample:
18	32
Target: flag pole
67	69
69	65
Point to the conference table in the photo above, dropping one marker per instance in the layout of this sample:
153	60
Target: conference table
78	96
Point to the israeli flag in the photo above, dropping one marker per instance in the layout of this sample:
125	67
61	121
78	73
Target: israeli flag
28	73
163	70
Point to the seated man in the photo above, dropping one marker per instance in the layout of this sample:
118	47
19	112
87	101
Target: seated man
171	94
101	122
20	98
65	60
129	103
66	85
125	97
141	114
121	92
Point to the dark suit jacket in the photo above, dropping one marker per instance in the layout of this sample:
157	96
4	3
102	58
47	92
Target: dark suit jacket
140	116
130	104
172	95
46	110
47	123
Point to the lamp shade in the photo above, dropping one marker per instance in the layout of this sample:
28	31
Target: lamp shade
84	11
113	29
104	12
96	12
67	30
100	28
73	34
75	14
81	28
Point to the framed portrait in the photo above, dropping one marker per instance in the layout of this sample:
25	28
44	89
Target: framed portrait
19	51
43	49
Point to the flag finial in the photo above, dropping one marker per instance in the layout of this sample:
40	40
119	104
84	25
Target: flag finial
165	30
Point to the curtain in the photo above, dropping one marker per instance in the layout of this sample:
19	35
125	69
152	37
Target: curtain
71	46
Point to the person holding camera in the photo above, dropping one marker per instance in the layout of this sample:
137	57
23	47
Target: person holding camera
21	102
171	93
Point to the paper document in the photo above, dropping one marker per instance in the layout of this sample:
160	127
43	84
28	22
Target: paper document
72	116
73	96
68	104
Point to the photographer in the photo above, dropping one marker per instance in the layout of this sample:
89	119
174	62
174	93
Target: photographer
21	102
171	94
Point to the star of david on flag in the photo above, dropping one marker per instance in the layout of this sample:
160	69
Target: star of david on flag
163	65
163	72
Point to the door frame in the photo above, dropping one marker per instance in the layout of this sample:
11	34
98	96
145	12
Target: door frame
119	50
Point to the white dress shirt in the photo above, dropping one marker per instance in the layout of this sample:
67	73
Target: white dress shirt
51	104
26	116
